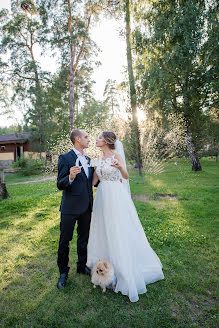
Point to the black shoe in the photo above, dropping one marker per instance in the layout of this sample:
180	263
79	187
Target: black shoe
62	280
85	270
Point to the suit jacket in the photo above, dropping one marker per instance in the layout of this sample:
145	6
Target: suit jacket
77	195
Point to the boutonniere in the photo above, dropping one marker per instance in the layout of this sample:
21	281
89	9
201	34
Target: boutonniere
88	160
93	163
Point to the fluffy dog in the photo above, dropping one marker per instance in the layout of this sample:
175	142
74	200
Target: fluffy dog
102	274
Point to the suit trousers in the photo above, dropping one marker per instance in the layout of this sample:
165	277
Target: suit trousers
67	225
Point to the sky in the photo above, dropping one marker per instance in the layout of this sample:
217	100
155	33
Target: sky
112	56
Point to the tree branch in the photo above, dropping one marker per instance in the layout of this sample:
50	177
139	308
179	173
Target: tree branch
25	39
82	46
208	56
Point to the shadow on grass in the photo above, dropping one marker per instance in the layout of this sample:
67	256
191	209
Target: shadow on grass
36	301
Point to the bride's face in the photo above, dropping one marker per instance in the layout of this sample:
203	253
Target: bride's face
100	141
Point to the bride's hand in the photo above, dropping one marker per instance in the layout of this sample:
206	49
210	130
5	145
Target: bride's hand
119	164
116	163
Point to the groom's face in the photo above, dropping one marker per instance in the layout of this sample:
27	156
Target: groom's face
84	140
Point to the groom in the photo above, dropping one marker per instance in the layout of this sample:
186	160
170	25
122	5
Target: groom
76	205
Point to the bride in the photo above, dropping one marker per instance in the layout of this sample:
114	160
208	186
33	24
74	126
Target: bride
116	234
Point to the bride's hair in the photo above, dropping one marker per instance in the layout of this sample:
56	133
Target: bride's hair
109	138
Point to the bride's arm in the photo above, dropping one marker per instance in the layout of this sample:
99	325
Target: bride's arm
120	165
95	179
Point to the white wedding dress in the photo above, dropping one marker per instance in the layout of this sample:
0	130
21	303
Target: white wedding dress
116	235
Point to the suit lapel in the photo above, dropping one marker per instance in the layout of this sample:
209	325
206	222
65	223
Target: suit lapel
82	169
73	155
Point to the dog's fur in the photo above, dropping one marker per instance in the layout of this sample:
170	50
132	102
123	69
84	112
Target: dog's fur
102	274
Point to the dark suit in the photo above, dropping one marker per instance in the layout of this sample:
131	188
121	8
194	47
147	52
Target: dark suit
76	205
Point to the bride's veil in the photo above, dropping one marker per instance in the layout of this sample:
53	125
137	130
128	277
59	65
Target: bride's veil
120	150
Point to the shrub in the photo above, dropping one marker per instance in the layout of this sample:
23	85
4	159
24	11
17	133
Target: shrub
29	166
20	163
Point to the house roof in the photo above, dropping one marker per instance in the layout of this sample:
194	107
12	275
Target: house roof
15	138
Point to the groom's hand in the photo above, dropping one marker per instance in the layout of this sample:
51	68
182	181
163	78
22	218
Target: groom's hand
74	171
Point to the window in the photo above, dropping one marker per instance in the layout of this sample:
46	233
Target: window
2	148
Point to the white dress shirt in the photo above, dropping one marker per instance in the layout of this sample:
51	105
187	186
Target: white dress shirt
83	161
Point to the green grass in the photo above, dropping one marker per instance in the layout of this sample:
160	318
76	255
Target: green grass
181	231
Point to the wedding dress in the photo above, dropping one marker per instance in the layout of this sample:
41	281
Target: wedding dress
116	235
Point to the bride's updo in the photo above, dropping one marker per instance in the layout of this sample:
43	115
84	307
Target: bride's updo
109	138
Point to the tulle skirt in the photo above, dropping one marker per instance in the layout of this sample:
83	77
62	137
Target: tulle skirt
116	235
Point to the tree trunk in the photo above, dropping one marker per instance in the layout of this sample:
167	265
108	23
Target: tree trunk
3	190
196	166
71	104
74	64
133	98
39	104
72	93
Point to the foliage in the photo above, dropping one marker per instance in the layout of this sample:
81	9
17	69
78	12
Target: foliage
93	114
134	126
22	162
177	45
173	51
11	129
210	145
71	22
29	166
111	95
160	141
63	143
22	30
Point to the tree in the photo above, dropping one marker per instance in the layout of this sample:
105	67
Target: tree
71	23
56	96
132	89
93	114
20	35
211	137
110	95
176	57
3	190
10	129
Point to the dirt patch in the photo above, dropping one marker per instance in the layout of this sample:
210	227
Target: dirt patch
166	196
146	198
142	198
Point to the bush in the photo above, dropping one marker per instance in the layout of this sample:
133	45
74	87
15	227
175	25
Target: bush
21	163
29	166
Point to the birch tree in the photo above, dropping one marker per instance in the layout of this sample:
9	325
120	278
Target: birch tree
177	46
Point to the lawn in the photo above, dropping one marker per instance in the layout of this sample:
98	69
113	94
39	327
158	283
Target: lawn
182	231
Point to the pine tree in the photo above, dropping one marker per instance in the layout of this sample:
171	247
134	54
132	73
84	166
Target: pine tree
20	35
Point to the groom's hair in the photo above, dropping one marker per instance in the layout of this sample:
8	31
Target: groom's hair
75	133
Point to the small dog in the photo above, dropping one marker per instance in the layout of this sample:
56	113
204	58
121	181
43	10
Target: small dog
102	274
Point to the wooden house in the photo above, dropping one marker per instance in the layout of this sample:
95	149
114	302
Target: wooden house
14	146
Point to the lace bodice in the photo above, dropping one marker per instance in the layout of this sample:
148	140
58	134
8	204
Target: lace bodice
105	171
